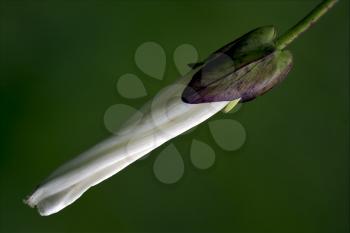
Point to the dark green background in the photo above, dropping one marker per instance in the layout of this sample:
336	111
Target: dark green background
59	64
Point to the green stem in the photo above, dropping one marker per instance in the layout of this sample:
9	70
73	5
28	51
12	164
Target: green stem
304	24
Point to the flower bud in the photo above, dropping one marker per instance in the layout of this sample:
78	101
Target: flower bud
243	69
246	83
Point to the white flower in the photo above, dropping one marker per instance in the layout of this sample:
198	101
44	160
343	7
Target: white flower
163	118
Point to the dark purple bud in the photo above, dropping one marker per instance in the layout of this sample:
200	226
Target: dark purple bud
247	82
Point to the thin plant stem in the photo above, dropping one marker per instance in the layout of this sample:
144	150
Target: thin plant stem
304	24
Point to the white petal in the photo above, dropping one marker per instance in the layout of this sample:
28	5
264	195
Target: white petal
165	117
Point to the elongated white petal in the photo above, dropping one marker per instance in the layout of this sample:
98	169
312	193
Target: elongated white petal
163	118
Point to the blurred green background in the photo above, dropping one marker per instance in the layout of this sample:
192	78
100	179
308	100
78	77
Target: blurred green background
59	64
